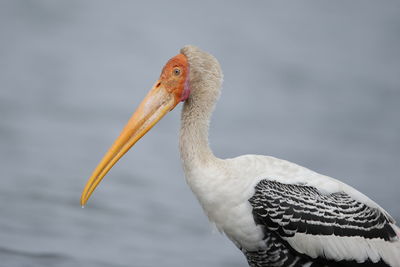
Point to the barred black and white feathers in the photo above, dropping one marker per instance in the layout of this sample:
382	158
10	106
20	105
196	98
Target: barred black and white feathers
323	227
289	209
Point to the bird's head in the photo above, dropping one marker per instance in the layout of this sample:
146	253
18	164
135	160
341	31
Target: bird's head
183	77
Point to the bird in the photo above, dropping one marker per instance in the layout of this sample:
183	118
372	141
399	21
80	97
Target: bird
276	212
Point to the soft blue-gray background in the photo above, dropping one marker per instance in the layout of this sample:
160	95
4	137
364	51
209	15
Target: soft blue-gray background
314	82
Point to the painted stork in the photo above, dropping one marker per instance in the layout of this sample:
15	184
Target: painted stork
276	212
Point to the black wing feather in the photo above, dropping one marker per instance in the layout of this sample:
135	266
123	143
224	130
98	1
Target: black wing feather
288	209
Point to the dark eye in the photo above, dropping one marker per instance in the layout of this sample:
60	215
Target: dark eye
177	72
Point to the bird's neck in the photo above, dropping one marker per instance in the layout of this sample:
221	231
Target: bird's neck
194	145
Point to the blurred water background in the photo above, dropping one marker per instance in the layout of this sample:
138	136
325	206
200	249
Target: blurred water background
314	82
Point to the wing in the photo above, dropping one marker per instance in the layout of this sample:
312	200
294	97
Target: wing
333	226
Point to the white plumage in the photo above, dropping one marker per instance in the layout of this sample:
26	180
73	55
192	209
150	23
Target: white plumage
224	187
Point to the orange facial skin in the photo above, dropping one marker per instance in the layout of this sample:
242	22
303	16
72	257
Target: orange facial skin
174	76
171	88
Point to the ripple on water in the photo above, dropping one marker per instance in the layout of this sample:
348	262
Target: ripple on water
16	258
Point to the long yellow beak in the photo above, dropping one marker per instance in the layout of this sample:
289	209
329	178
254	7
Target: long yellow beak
154	106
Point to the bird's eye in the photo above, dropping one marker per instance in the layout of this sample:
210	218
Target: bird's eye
177	72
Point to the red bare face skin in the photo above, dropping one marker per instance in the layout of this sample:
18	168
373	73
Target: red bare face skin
175	77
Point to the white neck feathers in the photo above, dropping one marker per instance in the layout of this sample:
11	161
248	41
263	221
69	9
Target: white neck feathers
205	82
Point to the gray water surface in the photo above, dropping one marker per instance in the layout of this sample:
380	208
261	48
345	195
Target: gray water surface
316	83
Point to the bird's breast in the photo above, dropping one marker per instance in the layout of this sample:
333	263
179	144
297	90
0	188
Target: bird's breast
224	198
